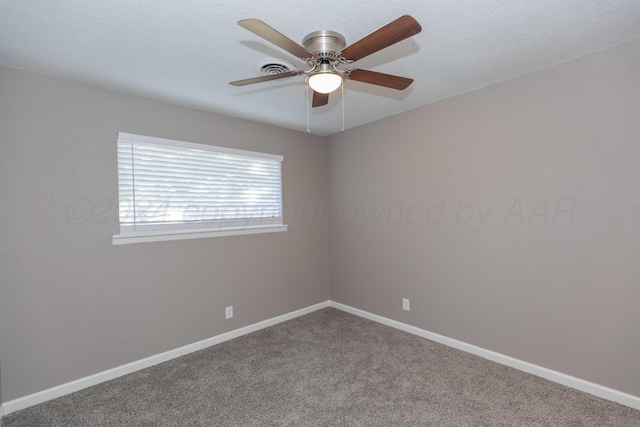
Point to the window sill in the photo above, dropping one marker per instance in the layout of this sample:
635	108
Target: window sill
156	236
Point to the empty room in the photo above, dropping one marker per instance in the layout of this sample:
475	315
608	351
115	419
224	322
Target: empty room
335	213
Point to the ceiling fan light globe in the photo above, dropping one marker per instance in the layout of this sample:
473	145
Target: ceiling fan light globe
324	82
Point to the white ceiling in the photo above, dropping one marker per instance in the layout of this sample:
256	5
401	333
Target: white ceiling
187	51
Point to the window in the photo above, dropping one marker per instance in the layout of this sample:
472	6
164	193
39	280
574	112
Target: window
174	190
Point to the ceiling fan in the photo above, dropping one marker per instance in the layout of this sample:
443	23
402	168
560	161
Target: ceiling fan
324	50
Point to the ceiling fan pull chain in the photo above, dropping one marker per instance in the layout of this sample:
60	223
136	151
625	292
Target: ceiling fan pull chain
342	107
308	120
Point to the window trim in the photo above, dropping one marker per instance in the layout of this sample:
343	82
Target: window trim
157	235
145	237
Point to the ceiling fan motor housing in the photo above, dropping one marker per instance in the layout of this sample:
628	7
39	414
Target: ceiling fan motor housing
324	45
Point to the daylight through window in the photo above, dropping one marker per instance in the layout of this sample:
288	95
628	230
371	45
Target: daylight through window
169	187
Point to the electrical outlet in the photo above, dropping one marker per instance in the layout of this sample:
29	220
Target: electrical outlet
406	305
228	312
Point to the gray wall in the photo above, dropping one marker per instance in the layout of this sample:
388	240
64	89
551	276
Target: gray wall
509	216
1	365
71	304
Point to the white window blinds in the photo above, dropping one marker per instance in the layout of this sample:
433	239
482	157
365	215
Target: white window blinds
172	186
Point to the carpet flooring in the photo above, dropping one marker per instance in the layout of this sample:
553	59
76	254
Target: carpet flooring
328	368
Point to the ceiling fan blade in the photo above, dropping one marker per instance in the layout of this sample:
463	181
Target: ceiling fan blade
398	30
319	99
274	36
380	79
266	78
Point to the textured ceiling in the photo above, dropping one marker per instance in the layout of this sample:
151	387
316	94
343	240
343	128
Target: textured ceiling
187	51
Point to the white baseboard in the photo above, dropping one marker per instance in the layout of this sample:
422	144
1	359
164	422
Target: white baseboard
70	387
558	377
100	377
